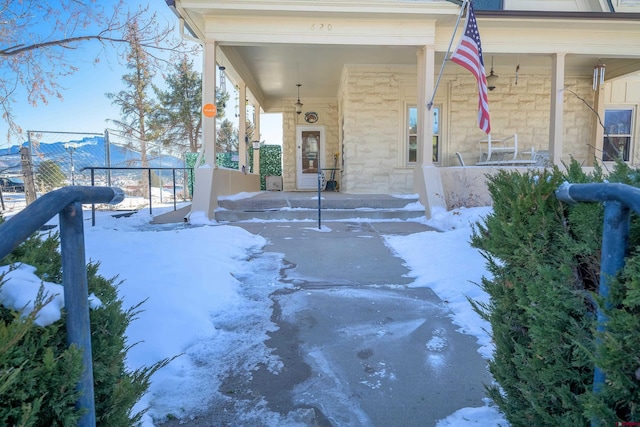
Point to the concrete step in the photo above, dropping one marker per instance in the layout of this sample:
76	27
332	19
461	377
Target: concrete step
312	215
284	206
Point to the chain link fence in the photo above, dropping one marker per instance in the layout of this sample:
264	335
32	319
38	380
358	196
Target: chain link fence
60	159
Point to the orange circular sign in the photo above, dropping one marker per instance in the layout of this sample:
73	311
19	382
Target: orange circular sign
209	110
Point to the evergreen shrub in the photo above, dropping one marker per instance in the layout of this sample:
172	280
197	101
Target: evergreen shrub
39	373
544	259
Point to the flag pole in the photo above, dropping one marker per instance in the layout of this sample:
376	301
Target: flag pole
455	29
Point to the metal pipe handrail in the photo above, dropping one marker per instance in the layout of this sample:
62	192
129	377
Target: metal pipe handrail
67	203
600	192
132	168
148	169
618	200
26	222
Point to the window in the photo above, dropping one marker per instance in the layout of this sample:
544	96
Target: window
626	5
412	134
488	5
617	134
436	134
412	114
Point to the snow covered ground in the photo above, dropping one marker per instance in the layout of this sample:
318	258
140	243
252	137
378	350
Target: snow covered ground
224	312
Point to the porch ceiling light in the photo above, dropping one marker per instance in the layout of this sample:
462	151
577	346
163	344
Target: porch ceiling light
298	104
491	78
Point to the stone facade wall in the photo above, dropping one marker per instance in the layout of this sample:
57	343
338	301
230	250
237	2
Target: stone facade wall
579	119
522	109
366	123
373	113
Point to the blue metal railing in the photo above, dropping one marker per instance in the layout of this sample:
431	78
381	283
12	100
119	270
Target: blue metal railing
67	203
93	170
618	200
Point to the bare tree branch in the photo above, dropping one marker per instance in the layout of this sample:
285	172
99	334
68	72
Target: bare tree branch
587	104
38	41
17	50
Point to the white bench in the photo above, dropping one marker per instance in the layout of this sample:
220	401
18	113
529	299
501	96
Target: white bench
504	152
499	147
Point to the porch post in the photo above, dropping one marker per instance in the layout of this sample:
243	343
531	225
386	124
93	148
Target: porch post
427	181
426	82
556	119
242	125
203	198
209	97
256	137
597	145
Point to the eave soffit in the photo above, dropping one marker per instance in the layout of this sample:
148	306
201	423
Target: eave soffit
305	7
557	29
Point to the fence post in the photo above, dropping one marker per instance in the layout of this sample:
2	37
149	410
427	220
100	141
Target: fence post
93	205
107	156
27	174
173	174
150	194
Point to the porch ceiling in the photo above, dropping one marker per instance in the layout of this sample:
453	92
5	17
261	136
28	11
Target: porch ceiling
272	70
277	69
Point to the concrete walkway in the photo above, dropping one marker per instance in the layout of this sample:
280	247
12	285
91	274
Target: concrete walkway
359	347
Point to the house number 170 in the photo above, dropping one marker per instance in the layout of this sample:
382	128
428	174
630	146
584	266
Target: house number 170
321	27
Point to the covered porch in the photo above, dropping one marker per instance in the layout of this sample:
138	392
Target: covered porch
366	74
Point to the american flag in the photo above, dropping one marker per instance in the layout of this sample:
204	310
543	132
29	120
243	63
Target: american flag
469	55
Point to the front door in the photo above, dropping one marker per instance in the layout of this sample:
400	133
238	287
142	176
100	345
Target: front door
310	151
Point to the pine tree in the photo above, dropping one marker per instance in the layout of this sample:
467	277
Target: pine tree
135	103
178	119
49	175
227	140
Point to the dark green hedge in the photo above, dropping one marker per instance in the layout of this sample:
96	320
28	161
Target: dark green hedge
38	373
544	257
190	162
270	163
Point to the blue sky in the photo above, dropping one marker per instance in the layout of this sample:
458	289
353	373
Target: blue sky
84	107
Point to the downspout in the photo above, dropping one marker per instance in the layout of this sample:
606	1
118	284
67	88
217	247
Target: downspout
188	36
191	37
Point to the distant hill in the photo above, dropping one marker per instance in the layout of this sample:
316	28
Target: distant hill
88	151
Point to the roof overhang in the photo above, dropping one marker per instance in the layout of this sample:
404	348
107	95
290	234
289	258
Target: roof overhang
274	45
